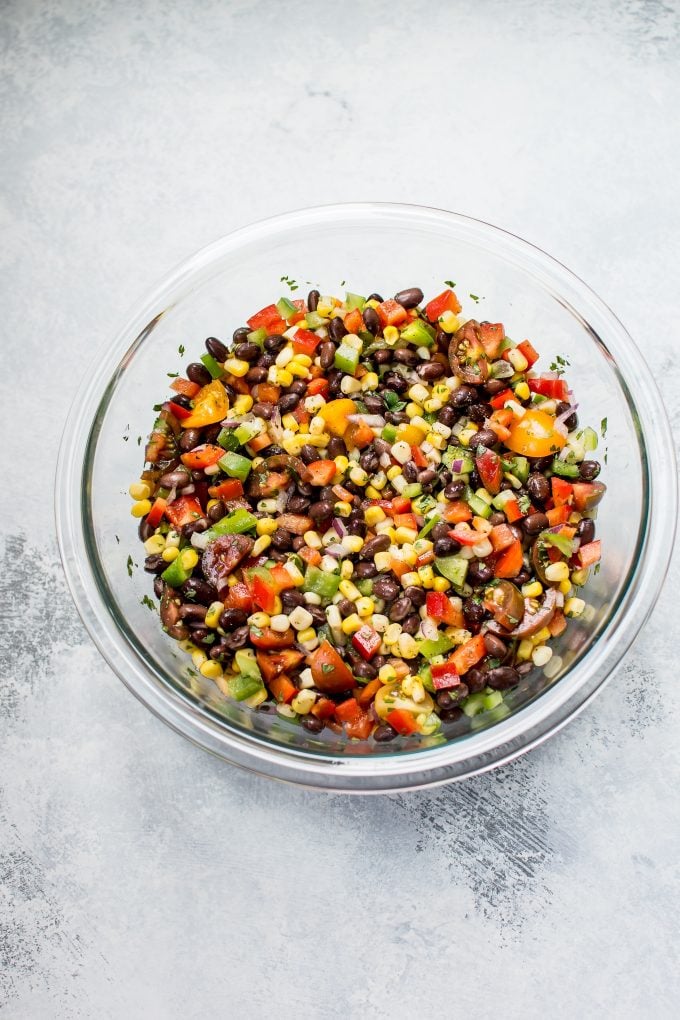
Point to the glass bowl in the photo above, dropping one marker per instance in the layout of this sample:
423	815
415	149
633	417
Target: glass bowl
364	247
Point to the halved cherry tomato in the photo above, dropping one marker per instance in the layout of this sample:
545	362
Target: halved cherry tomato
283	689
357	722
444	302
265	637
266	393
330	674
183	511
210	406
323	708
202	456
589	554
185	387
587	495
558	624
509	563
535	435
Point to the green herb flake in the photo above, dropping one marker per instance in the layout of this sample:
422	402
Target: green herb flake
180	350
524	503
603	427
139	440
290	282
474	297
327	667
172	375
146	601
117	539
449	283
130	564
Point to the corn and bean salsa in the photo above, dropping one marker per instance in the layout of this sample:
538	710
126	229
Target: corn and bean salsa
369	514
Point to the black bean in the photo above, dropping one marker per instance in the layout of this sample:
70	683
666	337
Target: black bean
445	547
232	618
356	527
326	495
366	670
365	570
431	370
571	422
479	412
476	680
374	405
217	511
282	539
416	595
538	487
247	352
311	723
474	613
375	297
274	450
396	417
296	504
589	470
199	591
288	402
400	609
176	479
263	410
535	523
484	437
384	733
317	614
426	476
479	573
463	396
256	375
198	374
195	527
182	401
326	354
395	381
313	300
266	360
410	297
298	543
274	343
406	356
369	460
336	447
298	386
411	624
382	357
450	715
447	416
496	518
380	543
541	463
155	564
524	668
319	511
495	646
502	677
493	386
410	471
237	639
585	530
336	329
385	588
522	578
158	586
292	598
371	320
216	348
190	611
454	490
308	454
199	633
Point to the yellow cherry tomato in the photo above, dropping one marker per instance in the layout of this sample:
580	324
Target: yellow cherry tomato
211	404
335	412
535	435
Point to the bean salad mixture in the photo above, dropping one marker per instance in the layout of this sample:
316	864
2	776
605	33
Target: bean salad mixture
369	515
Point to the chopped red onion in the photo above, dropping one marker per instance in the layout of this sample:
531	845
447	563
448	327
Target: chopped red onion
374	421
339	527
336	550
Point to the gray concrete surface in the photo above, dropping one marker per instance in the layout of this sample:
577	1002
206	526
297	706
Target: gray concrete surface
139	877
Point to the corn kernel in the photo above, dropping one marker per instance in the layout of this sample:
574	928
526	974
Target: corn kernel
426	575
553	667
392	633
262	543
343	509
533	590
289	422
353	543
413	410
432	405
378	482
353	341
408	648
283	377
402	535
154	545
198	657
350	385
418	691
380	623
383	561
302	359
449	321
557	572
579	577
237	367
308	634
211	669
466	435
346	569
391	335
369	382
574	607
266	526
365	606
387	674
411	578
341	463
374	515
189	558
524	650
212	616
349	590
393	472
314	403
407	685
565	587
522	391
541	637
140	490
280	623
301	619
298	370
437	440
140	508
260	620
312	539
418	393
351	624
170	553
441	584
303	702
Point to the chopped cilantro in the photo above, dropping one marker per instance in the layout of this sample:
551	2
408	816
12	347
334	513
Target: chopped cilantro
117	539
596	569
524	503
146	601
327	667
180	350
172	375
290	282
130	564
603	427
139	440
474	297
342	283
125	439
393	401
449	283
157	407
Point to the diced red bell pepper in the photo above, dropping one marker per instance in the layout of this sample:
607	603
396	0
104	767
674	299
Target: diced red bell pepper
263	589
558	515
466	536
501	536
266	318
400	505
418	457
354	321
440	607
457	512
185	387
402	721
281	578
512	511
181	413
366	695
498	401
391	313
301	414
444	676
589	553
444	302
469	654
319	385
306	342
562	491
529	352
321	472
357	722
509	563
231	489
283	689
558	624
553	389
490	471
183	511
366	641
239	597
202	456
155	514
406	521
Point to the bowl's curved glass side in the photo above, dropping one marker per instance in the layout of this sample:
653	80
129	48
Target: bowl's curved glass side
213	294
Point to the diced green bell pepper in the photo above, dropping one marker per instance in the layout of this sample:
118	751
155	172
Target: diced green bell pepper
365	585
176	574
589	439
419	333
319	582
235	523
314	321
412	490
453	568
389	434
346	359
473	704
517	466
285	308
243	686
435	646
429	525
353	301
492	700
247	430
213	366
561	542
227	440
258	336
425	675
235	466
246	663
564	470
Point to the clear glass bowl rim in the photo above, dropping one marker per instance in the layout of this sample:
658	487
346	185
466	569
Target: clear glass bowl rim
479	751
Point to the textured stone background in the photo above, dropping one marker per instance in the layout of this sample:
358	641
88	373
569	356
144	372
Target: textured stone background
139	877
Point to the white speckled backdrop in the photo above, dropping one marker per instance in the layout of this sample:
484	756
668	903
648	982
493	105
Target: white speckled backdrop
138	876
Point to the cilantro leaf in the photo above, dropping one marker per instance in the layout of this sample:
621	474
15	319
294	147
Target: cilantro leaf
180	350
603	427
449	283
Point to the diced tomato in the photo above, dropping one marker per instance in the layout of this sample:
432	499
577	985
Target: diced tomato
589	553
202	456
311	556
265	637
183	511
354	321
266	318
231	489
266	393
400	505
558	515
457	512
343	494
512	511
465	535
509	563
239	597
366	641
553	389
155	514
418	457
501	536
444	302
528	351
329	672
469	654
498	401
562	492
273	664
490	471
491	335
321	472
399	567
406	521
306	342
301	415
357	722
316	386
558	624
440	607
358	434
283	689
323	708
402	721
181	413
444	676
366	694
185	387
392	312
